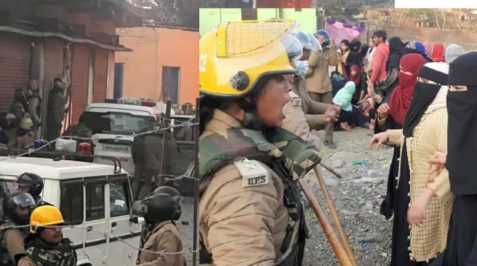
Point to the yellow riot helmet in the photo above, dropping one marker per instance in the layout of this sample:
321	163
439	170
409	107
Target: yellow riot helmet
44	216
236	55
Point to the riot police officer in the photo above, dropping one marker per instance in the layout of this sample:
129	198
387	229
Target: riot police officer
32	184
14	229
160	241
45	245
250	210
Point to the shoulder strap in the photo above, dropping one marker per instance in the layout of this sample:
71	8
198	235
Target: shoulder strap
217	151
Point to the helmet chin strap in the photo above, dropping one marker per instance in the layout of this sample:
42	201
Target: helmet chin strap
252	121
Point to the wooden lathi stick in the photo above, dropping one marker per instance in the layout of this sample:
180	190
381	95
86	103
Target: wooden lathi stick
335	244
334	213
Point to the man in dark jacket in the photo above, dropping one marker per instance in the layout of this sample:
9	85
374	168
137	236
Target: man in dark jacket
150	162
56	109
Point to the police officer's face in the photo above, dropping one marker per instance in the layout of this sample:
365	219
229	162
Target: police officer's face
306	54
23	212
272	100
52	234
23	188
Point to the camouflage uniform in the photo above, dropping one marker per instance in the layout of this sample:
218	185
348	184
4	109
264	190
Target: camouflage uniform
318	81
147	156
250	209
302	112
12	244
56	112
46	254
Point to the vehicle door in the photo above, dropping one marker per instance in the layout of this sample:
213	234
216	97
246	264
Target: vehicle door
95	214
72	208
123	234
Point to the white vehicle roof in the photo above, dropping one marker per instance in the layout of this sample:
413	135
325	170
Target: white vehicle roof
124	108
50	169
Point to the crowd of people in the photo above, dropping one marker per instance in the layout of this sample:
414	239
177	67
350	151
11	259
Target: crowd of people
411	95
422	116
31	229
360	88
417	97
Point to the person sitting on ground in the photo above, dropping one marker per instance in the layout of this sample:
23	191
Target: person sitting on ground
343	99
45	244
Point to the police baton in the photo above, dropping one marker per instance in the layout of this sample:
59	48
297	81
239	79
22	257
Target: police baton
340	252
334	213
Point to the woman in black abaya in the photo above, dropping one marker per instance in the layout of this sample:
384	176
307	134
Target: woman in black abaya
462	151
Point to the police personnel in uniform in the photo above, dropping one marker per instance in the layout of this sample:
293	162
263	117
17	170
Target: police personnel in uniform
14	230
160	210
250	211
45	245
32	184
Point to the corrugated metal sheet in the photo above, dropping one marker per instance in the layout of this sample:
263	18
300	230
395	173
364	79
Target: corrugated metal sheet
100	75
79	80
15	70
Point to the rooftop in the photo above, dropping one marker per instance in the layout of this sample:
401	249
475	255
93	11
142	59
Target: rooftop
52	169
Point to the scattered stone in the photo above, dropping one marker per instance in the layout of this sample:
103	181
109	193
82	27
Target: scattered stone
370	238
337	164
367	179
357	198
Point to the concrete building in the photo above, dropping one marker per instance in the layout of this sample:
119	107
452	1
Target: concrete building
162	66
75	39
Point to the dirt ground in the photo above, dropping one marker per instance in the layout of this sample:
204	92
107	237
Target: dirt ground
358	197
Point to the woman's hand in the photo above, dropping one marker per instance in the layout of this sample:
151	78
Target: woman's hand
378	140
417	210
331	114
437	163
383	111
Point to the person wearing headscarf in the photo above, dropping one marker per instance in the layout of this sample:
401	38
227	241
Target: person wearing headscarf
400	99
357	76
344	52
452	52
419	48
422	203
428	46
396	51
460	160
356	54
438	51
